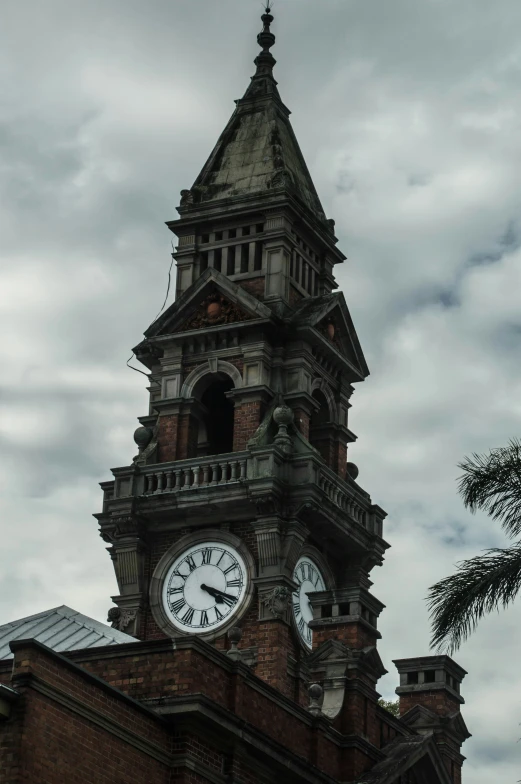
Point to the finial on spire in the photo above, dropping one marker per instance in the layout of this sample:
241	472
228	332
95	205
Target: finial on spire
263	83
266	39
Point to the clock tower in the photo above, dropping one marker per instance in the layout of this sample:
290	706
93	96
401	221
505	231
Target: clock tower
241	508
240	525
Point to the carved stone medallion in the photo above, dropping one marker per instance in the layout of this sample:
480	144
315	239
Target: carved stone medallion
215	310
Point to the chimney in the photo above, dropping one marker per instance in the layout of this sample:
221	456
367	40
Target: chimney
430	699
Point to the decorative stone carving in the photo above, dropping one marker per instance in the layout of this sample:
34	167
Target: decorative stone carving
281	179
128	525
328	327
283	417
187	198
121	619
214	310
316	692
235	636
352	470
143	437
277	601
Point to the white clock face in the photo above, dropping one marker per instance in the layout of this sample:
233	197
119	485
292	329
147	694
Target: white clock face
309	579
204	587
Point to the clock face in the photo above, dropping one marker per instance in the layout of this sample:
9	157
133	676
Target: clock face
204	587
309	579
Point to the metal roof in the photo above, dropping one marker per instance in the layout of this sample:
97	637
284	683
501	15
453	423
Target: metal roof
61	629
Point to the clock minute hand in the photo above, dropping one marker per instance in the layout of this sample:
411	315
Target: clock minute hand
218	595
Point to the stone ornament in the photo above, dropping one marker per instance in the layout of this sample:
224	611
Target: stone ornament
277	601
315	692
352	471
214	310
121	619
187	198
143	437
329	329
234	636
283	417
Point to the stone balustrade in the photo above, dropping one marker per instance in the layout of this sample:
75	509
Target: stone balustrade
341	495
194	473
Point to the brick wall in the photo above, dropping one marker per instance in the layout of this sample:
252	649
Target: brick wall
302	421
354	635
186	670
294	296
73	730
254	286
168	426
248	417
439	701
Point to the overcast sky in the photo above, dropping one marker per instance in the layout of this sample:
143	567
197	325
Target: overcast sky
409	116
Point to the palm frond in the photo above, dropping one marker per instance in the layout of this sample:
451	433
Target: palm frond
480	585
492	483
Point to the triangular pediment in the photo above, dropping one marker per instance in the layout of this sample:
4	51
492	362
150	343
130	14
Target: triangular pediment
330	317
212	301
422	719
329	651
411	758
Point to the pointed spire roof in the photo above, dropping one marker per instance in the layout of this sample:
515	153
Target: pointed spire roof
257	151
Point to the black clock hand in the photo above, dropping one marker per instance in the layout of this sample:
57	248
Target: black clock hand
218	595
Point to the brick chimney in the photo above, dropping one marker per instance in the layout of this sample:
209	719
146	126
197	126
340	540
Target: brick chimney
430	700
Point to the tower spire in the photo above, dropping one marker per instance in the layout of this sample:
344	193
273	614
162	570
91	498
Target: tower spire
263	82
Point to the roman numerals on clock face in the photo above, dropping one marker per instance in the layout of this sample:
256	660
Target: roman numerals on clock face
309	579
204	587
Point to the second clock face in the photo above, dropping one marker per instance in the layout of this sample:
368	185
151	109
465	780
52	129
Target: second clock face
204	587
309	578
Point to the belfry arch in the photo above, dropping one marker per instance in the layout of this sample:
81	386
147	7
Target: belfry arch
209	385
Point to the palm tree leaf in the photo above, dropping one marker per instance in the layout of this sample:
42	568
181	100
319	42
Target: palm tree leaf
493	483
480	585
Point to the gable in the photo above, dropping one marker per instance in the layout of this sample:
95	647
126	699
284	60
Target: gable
412	759
329	315
213	310
212	301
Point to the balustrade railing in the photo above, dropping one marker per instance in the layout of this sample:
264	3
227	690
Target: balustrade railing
190	475
341	497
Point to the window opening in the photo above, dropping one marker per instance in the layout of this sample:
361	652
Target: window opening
218	418
218	236
232	233
259	228
245	255
205	238
218	258
245	231
204	262
257	264
230	265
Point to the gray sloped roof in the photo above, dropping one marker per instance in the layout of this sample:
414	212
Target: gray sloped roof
61	629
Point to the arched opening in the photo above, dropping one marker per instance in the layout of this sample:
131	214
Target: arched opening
216	428
319	430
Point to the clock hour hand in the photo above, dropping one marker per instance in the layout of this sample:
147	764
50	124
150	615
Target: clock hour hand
219	596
